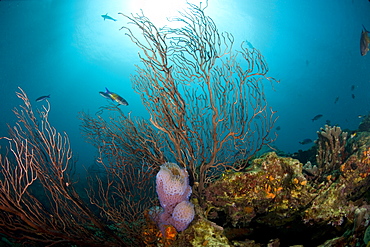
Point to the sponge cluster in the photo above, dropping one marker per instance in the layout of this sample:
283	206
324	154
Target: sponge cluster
173	189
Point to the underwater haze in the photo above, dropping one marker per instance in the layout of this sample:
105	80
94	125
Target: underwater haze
66	49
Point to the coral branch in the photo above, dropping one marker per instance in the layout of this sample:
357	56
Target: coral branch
38	200
206	98
331	144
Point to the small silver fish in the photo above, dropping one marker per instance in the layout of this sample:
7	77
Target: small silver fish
42	98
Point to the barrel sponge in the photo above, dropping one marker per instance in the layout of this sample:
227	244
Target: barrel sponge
173	179
183	215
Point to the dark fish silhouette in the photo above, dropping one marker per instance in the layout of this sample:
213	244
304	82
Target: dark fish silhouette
42	98
353	96
336	100
317	117
106	16
352	87
306	141
364	41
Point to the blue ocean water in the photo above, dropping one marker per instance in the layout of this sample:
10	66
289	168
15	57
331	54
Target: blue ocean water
66	49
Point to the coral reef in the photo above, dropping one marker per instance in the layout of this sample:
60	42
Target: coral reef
273	186
187	78
277	194
273	201
278	201
237	200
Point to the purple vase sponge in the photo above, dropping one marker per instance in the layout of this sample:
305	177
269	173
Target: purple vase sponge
172	185
182	215
173	191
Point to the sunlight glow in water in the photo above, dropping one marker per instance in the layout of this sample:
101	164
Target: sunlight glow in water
159	11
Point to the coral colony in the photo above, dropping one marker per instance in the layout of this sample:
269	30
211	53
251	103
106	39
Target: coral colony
187	80
173	191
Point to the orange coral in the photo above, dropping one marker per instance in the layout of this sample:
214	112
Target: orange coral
366	156
152	235
170	233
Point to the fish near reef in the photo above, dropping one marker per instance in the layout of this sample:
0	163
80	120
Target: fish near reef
317	117
106	16
114	97
42	98
306	141
364	41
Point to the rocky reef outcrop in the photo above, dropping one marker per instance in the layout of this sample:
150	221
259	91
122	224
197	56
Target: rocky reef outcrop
279	201
282	201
